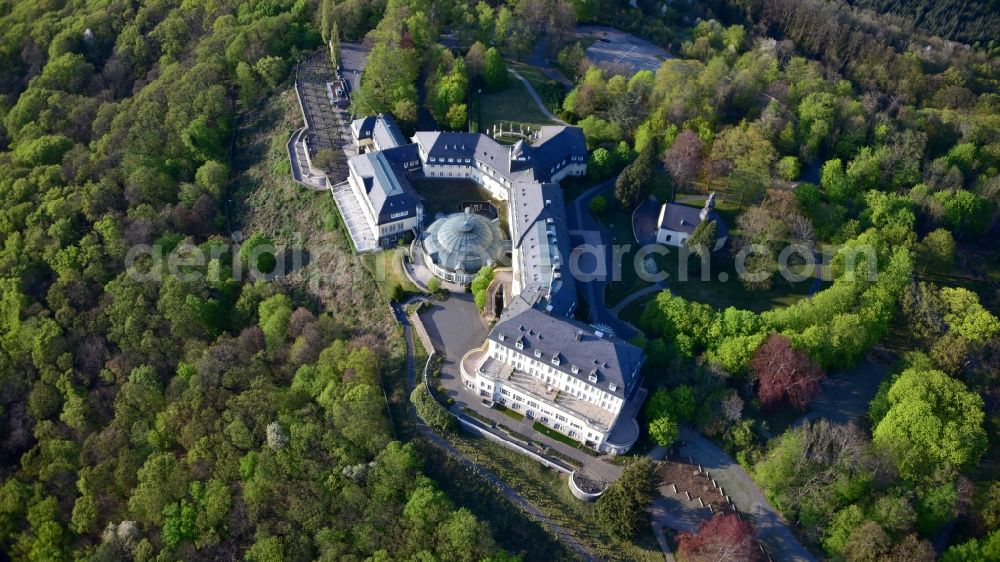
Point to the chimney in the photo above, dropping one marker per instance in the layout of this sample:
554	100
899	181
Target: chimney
579	335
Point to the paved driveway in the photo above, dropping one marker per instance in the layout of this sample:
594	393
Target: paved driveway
455	327
584	229
772	530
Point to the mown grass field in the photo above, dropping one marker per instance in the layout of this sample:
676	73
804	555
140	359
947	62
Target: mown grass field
714	291
512	105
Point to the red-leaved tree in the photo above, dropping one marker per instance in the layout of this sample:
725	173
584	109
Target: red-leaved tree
784	373
723	537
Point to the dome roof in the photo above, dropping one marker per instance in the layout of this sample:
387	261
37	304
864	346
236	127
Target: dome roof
464	242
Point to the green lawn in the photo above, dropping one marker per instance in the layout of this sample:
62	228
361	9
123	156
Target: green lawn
445	196
509	413
549	432
714	291
551	91
386	268
512	105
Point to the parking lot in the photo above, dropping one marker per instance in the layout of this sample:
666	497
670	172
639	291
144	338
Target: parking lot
620	51
350	209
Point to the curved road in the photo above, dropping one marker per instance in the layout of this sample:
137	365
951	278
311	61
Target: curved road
617	309
517	499
771	527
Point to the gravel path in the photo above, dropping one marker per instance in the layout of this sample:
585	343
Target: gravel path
537	98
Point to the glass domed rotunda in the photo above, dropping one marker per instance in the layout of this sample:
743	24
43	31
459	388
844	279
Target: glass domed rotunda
457	246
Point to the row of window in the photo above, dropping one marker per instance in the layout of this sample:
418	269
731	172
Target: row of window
390	228
576	387
450	160
516	405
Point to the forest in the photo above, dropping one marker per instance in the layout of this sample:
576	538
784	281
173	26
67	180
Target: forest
201	415
968	22
822	129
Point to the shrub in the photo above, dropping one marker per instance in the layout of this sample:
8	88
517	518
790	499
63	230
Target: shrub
434	285
431	411
598	205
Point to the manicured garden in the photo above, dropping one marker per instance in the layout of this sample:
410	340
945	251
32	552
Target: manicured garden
517	416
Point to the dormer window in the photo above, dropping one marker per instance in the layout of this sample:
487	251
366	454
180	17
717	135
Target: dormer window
503	337
575	369
555	359
538	353
612	387
592	378
519	344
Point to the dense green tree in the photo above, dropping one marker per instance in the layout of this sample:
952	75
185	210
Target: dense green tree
987	548
937	251
259	254
598	205
789	168
663	431
494	70
622	509
463	538
161	481
274	314
635	181
933	424
480	283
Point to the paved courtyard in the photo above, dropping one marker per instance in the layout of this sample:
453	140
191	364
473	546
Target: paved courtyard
353	58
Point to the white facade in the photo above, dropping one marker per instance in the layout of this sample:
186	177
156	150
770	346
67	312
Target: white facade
671	237
531	388
388	229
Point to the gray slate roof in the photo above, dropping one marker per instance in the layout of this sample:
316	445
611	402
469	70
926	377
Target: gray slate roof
614	361
681	218
555	147
440	144
386	185
538	217
382	128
